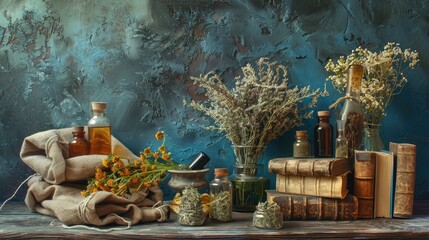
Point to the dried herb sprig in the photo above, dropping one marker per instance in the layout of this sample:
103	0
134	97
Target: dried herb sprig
261	106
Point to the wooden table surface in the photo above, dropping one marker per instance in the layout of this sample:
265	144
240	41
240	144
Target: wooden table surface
18	222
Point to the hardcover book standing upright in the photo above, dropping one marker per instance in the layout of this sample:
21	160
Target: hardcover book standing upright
405	179
300	207
364	182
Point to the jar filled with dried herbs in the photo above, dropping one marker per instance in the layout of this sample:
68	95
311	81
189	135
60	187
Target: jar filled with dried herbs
301	146
191	210
268	215
221	196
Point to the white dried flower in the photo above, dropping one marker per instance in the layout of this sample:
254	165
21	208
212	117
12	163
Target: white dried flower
384	76
260	107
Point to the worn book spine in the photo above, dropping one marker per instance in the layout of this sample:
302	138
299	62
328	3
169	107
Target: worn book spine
333	187
364	182
405	179
300	207
327	167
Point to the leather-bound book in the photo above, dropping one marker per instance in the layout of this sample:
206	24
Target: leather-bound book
301	207
333	187
326	167
364	182
405	179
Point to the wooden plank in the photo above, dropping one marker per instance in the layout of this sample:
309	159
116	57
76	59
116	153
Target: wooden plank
17	222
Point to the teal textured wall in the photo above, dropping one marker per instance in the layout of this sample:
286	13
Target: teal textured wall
57	56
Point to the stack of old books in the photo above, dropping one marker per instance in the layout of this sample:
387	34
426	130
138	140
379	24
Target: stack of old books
316	188
313	189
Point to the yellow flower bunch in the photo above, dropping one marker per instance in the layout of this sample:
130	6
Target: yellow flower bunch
121	175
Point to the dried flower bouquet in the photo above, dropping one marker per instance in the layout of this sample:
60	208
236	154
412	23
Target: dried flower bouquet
384	77
260	107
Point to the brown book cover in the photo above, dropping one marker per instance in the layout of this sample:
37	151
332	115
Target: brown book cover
364	182
405	179
326	167
333	187
301	207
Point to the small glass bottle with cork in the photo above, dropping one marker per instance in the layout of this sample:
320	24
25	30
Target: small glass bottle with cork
301	146
78	145
100	139
221	196
323	136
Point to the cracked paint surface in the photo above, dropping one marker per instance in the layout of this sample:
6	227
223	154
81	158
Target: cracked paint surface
58	56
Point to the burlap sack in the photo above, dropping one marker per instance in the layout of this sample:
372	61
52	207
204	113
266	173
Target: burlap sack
57	191
47	154
101	208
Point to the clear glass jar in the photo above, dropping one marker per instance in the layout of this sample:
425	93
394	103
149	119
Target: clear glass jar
341	143
100	139
221	196
323	136
301	146
271	218
78	145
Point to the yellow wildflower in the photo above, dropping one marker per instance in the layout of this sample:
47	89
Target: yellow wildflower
165	156
105	162
147	152
110	183
83	193
162	149
156	155
159	135
143	168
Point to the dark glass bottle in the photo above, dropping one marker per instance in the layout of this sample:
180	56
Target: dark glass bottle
323	136
78	145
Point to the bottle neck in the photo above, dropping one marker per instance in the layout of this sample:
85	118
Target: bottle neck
98	114
221	177
78	134
324	119
354	81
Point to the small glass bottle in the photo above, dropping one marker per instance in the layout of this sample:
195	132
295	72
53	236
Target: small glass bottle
341	143
323	136
100	140
221	195
301	146
78	145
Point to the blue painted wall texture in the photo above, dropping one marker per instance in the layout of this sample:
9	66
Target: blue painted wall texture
58	56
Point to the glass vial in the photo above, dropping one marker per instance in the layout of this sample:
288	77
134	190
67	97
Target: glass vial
323	136
100	140
78	145
341	146
301	146
221	196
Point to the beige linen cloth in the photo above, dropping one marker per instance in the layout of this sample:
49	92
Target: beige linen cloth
55	191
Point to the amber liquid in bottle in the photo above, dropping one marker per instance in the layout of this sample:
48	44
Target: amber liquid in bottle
78	145
100	140
323	136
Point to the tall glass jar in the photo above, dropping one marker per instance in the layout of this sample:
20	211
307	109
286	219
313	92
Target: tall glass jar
78	145
100	139
323	136
221	196
301	146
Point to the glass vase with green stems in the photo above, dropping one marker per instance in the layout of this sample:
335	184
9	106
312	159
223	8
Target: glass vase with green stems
248	186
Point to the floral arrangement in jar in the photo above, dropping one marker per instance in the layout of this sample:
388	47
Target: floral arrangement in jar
121	176
384	76
261	107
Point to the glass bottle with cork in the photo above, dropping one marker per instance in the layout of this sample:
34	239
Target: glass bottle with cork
100	139
301	146
341	146
78	145
352	112
323	136
221	196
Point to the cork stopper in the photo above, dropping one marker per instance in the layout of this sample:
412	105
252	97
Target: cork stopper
98	106
301	133
221	172
78	129
323	113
